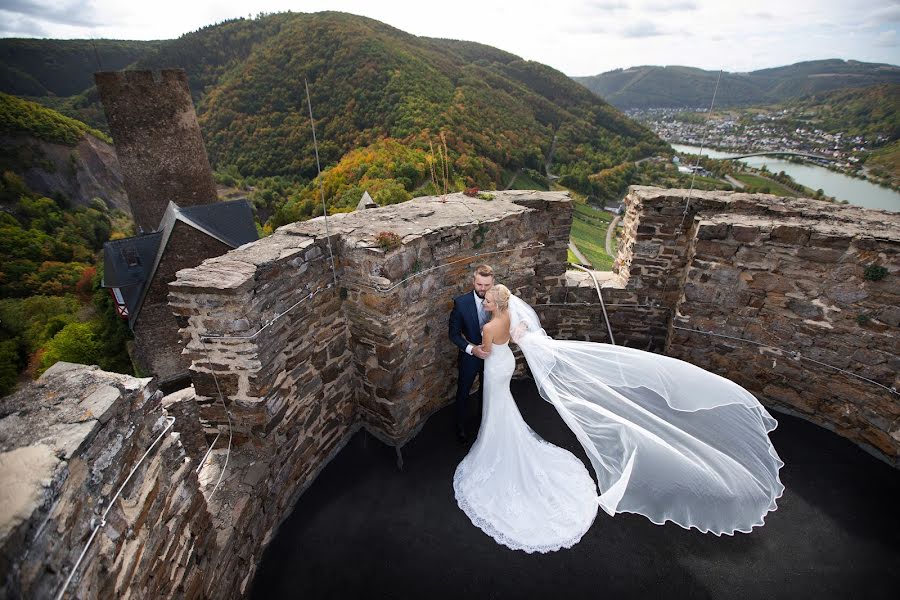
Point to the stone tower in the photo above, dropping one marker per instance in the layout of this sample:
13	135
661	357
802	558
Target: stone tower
173	200
157	137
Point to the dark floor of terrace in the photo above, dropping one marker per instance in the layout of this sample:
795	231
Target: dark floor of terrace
365	529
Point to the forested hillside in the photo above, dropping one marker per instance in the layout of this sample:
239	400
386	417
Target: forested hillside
868	112
370	82
397	115
32	67
51	304
873	113
686	87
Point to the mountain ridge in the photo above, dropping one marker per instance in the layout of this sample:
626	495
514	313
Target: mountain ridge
677	86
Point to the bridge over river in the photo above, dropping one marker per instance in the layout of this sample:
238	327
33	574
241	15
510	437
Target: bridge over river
783	153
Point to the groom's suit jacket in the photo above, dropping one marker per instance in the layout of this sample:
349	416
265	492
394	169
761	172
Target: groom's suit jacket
465	330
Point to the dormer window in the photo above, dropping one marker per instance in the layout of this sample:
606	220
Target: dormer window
132	259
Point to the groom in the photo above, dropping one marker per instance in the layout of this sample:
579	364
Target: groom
466	321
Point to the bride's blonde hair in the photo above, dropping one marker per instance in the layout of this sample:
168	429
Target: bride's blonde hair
501	296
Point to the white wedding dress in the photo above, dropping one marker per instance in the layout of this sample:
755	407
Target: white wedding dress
666	439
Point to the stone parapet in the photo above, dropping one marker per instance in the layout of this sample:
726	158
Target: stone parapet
288	363
790	273
377	339
302	363
798	287
67	443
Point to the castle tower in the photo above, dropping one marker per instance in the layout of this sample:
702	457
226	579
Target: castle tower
157	138
173	200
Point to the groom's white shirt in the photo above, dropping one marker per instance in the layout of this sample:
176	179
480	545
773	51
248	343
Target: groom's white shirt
479	306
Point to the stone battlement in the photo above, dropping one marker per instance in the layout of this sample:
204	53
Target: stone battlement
304	361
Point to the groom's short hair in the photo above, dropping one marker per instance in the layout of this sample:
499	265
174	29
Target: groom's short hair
484	271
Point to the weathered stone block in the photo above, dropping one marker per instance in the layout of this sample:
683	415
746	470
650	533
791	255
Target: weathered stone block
712	231
745	233
821	255
207	384
790	235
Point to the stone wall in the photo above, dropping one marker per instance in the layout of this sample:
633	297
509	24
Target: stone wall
379	337
798	285
302	363
399	299
785	272
157	346
67	444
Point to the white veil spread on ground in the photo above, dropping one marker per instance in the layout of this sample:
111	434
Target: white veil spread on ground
667	440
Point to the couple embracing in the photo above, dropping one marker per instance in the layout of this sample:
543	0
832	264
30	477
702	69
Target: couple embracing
665	438
466	321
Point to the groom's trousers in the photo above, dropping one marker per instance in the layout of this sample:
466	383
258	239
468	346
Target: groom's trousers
470	367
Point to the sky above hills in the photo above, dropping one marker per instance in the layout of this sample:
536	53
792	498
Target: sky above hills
578	37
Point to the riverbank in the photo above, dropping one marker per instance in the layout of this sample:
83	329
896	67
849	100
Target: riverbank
858	192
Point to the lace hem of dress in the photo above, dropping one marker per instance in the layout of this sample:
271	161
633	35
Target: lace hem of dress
485	526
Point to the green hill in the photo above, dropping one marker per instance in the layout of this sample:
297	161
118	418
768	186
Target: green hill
869	112
686	87
20	117
32	67
369	82
59	189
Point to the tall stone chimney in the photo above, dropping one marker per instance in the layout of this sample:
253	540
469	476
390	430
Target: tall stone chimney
157	138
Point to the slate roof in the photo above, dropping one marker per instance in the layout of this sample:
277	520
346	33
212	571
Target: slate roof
130	264
366	202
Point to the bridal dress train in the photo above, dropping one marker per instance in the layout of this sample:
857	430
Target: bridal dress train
666	440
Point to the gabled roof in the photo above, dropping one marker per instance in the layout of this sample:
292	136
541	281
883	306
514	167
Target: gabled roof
130	264
366	202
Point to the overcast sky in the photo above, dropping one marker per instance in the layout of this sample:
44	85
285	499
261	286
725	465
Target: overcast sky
578	37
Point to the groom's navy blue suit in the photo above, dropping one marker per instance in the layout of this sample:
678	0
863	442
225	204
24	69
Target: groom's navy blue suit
465	330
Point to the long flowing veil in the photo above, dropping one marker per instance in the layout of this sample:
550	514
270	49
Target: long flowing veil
667	440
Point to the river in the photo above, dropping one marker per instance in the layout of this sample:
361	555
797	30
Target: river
855	191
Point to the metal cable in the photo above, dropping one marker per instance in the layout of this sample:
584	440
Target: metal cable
208	452
793	353
321	182
699	155
102	522
270	322
230	426
612	340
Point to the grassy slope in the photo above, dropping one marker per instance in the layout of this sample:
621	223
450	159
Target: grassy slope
774	187
589	235
886	162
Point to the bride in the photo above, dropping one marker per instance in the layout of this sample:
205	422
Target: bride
666	439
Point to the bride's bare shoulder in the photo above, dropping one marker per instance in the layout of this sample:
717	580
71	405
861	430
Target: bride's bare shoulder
500	327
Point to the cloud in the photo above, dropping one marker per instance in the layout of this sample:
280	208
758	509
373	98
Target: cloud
671	5
586	27
76	13
19	26
887	39
642	29
887	14
606	5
